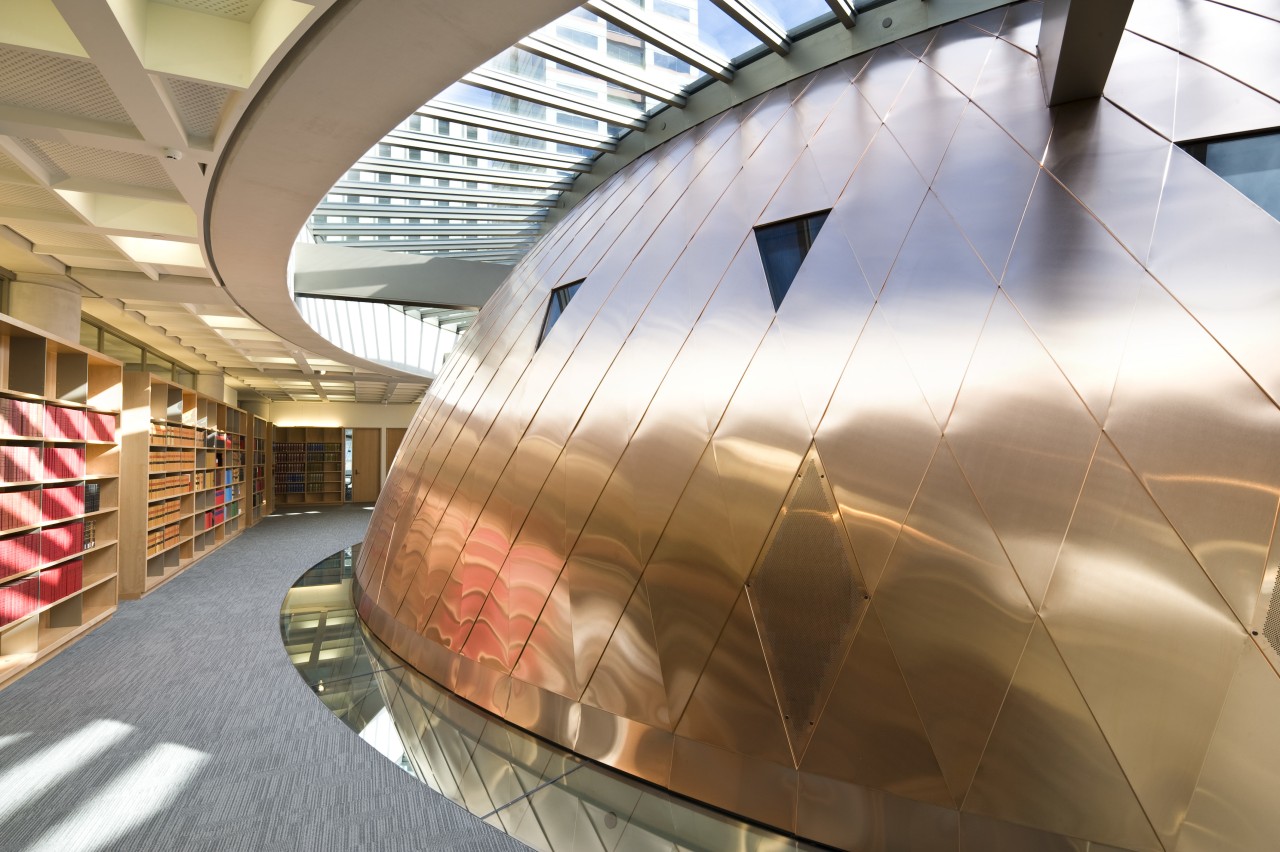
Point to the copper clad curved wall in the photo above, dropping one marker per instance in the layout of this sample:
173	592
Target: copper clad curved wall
1021	395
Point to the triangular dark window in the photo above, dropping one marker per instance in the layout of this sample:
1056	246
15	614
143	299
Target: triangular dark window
783	246
1250	163
560	298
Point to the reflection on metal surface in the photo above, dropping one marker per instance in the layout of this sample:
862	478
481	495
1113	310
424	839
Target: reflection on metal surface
545	796
1033	354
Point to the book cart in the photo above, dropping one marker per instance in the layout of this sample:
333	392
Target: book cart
309	466
188	452
59	491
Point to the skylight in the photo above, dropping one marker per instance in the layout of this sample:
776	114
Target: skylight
473	173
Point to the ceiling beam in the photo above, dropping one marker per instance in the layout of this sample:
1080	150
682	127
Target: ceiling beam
58	127
103	36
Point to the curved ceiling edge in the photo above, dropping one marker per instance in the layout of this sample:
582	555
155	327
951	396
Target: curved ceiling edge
356	73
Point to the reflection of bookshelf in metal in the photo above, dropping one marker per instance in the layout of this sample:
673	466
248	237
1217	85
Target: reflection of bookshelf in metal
192	451
59	489
524	785
308	465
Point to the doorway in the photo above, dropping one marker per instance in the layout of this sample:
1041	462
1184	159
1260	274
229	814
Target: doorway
366	465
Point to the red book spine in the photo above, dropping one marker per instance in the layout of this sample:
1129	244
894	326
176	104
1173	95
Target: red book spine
73	577
50	585
102	426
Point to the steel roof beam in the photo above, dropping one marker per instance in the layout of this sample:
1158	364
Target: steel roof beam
755	21
442	171
505	229
698	55
428	213
608	71
501	83
470	243
442	193
845	10
515	125
455	147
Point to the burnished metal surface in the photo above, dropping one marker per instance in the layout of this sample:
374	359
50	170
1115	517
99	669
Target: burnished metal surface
1031	357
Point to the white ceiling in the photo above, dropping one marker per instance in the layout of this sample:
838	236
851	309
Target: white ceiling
93	96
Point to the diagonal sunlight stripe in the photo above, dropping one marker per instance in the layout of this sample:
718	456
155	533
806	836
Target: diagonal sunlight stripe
29	779
151	784
10	739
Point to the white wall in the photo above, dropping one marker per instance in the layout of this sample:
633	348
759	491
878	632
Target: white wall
346	414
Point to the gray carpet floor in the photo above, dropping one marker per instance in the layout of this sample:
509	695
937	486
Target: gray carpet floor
180	725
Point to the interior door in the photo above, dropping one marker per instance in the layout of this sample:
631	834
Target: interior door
394	438
366	468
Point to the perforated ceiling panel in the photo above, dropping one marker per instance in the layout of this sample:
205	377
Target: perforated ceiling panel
199	106
57	84
236	10
55	173
32	197
8	165
113	166
65	238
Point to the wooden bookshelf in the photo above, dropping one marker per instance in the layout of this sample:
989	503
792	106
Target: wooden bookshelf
191	451
260	476
59	492
309	466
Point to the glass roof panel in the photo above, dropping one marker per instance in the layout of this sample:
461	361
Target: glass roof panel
475	170
793	13
718	30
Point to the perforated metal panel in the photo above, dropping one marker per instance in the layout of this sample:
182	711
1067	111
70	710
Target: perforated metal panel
33	197
57	84
236	10
807	598
1271	626
65	238
8	165
199	106
114	166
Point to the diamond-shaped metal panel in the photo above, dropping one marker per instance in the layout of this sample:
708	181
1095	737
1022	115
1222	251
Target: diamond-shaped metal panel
1044	718
807	598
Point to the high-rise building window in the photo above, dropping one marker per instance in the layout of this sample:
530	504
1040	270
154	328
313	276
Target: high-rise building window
783	247
1249	163
560	298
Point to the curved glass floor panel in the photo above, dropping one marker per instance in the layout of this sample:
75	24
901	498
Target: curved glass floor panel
541	794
